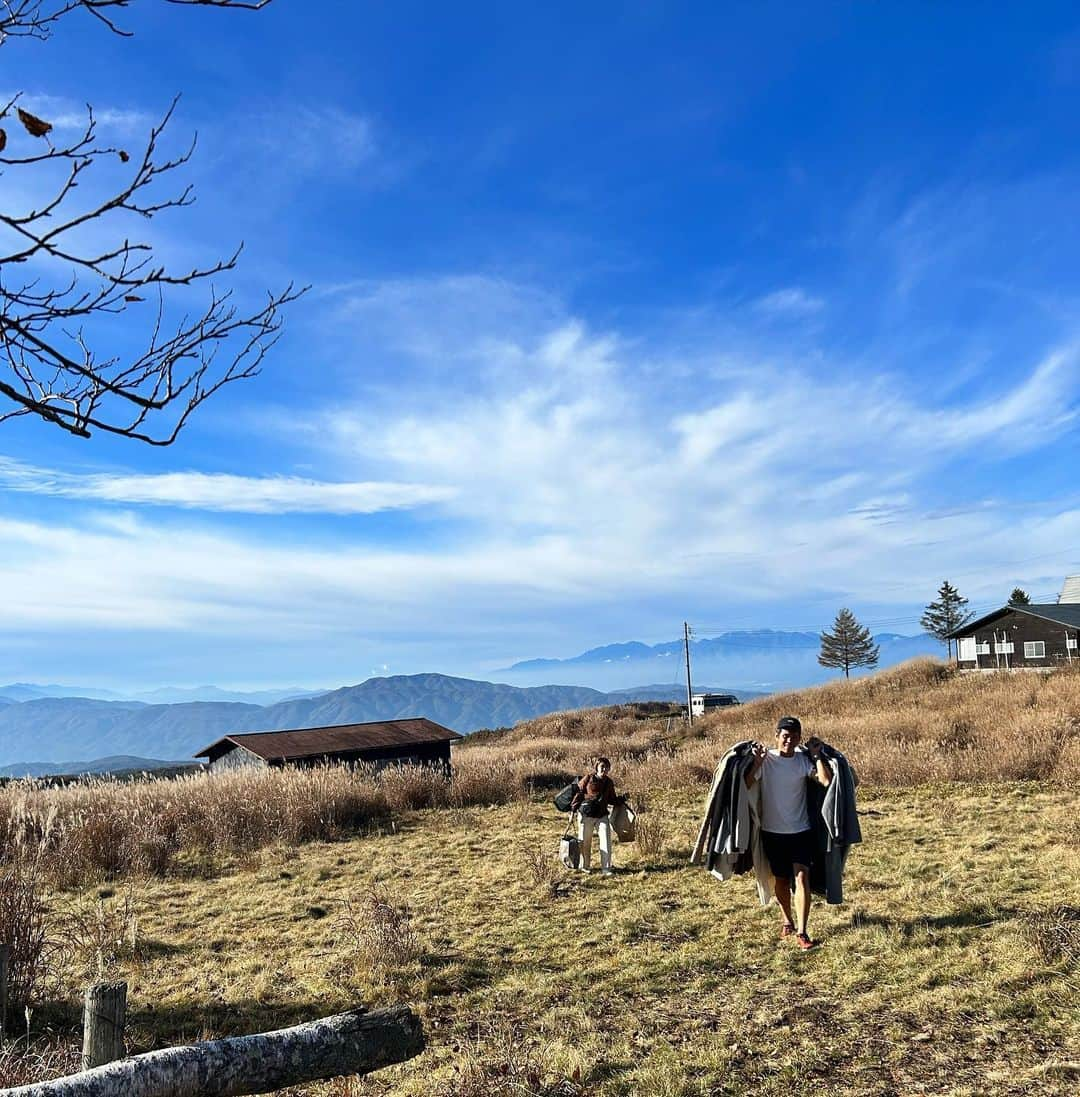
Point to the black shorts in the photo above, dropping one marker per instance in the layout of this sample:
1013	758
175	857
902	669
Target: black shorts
787	850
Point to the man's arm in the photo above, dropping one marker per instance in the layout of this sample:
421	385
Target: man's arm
822	772
759	752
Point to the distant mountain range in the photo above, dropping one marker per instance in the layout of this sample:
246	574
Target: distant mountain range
764	660
166	695
114	764
44	731
45	725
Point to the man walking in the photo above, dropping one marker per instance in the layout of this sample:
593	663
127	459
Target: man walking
785	821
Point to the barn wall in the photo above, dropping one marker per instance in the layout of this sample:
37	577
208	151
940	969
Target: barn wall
236	758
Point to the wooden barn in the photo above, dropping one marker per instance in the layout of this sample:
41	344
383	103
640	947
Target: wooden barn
383	742
1034	637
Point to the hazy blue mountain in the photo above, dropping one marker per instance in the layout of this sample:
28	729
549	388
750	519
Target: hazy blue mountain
53	729
172	695
164	695
29	691
117	763
757	660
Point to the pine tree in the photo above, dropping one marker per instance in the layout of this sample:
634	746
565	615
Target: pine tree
848	645
1019	597
945	615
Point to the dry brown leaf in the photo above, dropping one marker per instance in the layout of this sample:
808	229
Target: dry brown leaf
35	126
133	297
124	158
3	140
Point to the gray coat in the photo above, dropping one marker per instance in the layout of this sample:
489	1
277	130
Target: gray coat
835	821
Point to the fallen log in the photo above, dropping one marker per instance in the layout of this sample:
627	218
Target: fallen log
349	1043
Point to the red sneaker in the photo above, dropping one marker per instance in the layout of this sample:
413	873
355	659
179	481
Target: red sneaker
787	930
804	942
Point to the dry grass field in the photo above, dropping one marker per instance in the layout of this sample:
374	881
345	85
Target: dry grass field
951	968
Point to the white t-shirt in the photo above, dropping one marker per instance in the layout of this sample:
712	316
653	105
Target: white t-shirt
783	792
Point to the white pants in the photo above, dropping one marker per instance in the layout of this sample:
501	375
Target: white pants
603	829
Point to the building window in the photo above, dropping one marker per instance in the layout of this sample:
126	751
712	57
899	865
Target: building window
982	648
1070	642
1034	649
1003	647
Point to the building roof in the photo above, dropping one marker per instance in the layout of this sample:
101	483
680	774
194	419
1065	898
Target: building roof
1070	590
338	738
1062	614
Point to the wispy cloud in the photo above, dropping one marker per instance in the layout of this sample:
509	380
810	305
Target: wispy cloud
792	302
66	114
582	439
324	137
576	473
222	492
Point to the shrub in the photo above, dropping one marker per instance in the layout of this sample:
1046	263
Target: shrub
651	833
379	933
545	871
23	926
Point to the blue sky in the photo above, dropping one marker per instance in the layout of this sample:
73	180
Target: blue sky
728	313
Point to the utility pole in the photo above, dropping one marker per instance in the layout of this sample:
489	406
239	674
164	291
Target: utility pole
689	697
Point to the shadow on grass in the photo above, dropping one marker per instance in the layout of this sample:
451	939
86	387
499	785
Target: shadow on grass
969	916
662	863
457	973
147	948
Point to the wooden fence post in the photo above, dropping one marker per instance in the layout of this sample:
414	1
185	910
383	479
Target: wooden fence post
103	1024
5	964
350	1043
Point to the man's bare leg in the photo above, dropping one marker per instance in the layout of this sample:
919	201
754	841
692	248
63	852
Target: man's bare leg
782	891
802	897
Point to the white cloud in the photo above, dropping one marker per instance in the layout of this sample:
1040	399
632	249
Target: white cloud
70	116
311	137
791	302
577	473
222	492
584	440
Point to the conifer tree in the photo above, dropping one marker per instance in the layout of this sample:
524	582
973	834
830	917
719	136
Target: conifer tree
946	614
848	645
1019	597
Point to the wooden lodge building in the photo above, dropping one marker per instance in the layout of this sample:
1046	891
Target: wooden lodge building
383	742
1033	637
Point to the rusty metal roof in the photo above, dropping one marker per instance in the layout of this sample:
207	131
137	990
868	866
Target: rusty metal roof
338	738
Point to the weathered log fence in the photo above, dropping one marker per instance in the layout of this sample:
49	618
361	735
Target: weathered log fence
356	1042
103	1024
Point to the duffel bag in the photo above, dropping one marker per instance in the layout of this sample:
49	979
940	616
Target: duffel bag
566	797
624	821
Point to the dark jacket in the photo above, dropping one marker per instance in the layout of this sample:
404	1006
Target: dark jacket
835	822
601	790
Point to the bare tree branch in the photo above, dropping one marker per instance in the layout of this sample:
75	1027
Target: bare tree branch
86	278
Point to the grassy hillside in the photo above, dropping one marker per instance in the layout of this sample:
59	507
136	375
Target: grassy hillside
913	723
951	968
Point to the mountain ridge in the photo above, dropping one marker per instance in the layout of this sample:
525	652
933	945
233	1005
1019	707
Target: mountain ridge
51	730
